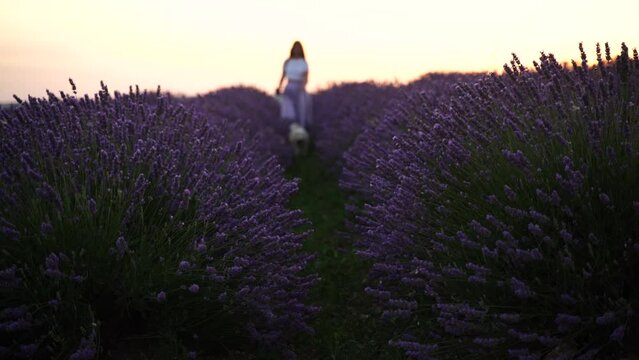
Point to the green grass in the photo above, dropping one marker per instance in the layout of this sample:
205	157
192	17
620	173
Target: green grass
348	326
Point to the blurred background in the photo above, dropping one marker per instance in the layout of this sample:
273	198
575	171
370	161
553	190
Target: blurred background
194	46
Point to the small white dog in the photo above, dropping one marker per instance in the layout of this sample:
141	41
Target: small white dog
298	137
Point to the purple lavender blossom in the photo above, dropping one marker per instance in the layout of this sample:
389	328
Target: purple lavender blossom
396	314
477	279
381	294
479	229
566	236
568	299
565	322
605	318
52	266
538	217
478	269
516	213
510	194
13	313
343	110
86	350
467	242
91	205
535	229
549	341
200	245
46	228
618	333
453	271
509	317
605	200
27	351
9	278
184	266
161	174
488	342
519	159
520	289
413	347
487	252
84	354
523	337
122	246
253	113
16	325
555	135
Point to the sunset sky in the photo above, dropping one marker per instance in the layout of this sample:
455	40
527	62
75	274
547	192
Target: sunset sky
193	46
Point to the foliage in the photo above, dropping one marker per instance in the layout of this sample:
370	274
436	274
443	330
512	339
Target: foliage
340	113
505	227
420	98
254	112
129	222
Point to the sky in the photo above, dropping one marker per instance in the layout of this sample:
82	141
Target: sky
192	46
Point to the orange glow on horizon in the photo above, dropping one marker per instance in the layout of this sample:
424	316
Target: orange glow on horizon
197	46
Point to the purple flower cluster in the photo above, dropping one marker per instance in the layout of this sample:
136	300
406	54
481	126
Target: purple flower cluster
506	216
256	114
131	200
342	111
418	99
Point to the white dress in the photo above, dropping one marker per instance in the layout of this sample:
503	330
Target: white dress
296	102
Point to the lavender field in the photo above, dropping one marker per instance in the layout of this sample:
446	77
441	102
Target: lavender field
458	216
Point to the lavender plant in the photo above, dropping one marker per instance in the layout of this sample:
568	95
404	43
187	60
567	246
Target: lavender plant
125	225
256	114
419	99
506	227
340	113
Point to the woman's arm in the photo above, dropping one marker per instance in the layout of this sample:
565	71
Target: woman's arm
277	91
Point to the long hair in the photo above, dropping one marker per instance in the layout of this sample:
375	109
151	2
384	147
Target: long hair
297	51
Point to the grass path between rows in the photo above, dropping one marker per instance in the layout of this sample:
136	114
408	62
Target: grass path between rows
347	326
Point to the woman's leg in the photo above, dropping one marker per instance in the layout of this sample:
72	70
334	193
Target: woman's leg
287	109
307	109
293	91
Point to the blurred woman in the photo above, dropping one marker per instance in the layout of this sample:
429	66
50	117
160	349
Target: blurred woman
296	102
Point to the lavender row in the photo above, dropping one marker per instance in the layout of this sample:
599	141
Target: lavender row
418	99
340	113
503	224
126	216
255	112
